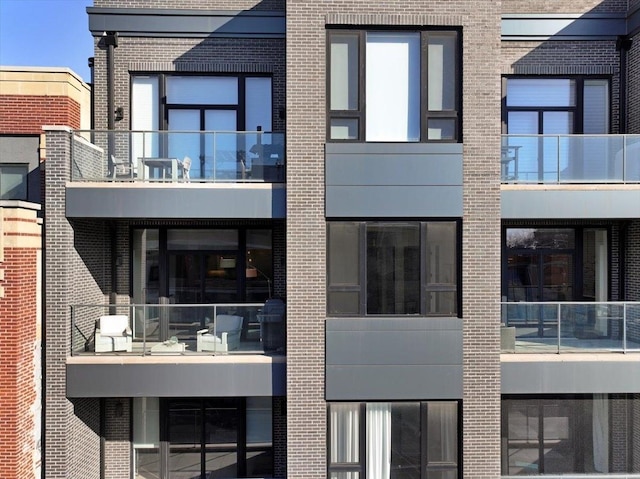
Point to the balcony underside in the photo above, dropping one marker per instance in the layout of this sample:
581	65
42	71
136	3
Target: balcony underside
175	200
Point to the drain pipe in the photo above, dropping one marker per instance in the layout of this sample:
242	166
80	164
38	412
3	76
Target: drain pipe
110	40
623	45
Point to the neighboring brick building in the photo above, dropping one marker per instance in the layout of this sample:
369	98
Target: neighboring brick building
29	98
460	187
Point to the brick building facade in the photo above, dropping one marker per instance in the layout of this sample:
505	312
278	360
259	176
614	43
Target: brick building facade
29	98
328	232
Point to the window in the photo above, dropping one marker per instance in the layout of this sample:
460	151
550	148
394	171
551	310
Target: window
392	268
211	437
586	434
394	440
13	182
393	86
557	105
222	103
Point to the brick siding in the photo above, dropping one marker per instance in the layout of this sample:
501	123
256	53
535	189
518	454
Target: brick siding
20	376
28	113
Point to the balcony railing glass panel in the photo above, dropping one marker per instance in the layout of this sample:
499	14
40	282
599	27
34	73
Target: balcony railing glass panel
558	159
142	329
177	156
551	327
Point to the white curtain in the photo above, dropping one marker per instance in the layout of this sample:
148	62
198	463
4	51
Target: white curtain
601	432
378	440
344	424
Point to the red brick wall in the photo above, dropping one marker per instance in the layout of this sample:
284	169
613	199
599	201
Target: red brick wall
28	113
19	359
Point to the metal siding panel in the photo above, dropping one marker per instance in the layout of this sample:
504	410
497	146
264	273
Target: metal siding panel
410	382
169	202
166	380
564	204
393	201
570	377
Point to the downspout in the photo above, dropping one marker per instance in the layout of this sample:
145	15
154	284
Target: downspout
91	61
110	40
623	44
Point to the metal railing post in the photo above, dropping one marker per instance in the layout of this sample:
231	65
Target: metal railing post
559	318
624	327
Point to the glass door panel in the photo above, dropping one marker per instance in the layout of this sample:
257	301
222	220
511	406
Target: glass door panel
184	434
185	287
220	283
184	139
221	438
221	156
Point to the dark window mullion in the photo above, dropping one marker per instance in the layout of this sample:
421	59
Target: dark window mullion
363	269
362	90
424	87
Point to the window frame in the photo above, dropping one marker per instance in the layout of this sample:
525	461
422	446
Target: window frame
577	109
25	181
424	286
425	113
360	467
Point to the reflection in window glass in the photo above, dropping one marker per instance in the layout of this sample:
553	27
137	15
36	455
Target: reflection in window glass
393	269
568	435
442	70
344	128
344	72
538	92
202	239
13	182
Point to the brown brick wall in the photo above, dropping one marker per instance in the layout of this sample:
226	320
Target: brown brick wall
306	113
20	348
28	113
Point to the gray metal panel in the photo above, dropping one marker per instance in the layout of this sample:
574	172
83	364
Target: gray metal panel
186	379
570	376
392	169
393	358
186	23
91	200
588	203
393	180
390	201
589	26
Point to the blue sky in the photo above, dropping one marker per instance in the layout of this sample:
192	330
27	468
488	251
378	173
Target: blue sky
46	33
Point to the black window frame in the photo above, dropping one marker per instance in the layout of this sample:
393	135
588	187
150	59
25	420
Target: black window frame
424	286
577	109
360	466
425	114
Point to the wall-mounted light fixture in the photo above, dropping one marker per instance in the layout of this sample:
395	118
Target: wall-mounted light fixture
119	114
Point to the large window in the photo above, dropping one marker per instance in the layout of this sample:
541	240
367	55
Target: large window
570	434
392	268
202	438
13	182
394	440
393	86
187	105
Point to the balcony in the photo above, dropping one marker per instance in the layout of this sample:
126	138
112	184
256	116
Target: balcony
570	327
159	156
570	176
155	174
562	159
170	329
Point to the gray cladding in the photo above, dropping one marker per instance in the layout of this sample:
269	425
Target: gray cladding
570	376
87	200
393	358
566	26
177	379
393	180
571	203
149	22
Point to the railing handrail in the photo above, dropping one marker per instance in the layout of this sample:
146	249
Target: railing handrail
570	135
168	132
620	303
140	305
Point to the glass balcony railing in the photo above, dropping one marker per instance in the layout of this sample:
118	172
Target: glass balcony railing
155	329
552	327
178	156
570	159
